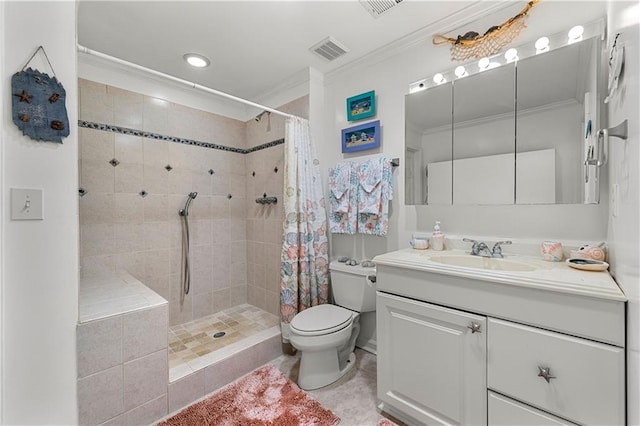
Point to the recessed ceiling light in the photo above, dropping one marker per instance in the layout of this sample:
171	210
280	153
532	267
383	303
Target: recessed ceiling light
196	60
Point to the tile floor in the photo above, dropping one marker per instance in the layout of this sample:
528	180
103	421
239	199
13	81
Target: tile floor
353	397
195	339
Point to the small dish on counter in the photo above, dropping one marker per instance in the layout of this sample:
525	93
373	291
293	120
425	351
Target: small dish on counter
588	264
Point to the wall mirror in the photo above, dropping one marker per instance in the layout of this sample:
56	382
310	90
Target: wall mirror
515	133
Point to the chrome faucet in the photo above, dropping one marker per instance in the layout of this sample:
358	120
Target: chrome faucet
496	251
480	248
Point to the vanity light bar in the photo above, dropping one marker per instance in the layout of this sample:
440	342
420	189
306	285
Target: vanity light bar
541	45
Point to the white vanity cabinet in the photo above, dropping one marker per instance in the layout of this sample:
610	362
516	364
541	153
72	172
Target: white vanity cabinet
548	345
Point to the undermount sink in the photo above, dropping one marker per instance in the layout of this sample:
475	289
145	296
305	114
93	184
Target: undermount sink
478	262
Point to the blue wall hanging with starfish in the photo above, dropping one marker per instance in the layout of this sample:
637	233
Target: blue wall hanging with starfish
38	102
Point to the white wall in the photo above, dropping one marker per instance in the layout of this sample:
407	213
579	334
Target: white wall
389	73
624	234
39	258
2	112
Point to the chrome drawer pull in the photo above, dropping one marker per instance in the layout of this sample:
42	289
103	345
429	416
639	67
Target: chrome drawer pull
545	373
474	327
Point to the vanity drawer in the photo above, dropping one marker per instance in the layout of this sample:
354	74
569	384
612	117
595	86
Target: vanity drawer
588	384
505	411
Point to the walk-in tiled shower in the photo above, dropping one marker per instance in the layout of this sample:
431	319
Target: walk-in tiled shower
140	157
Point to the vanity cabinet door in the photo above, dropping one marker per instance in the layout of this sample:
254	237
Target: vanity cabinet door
431	362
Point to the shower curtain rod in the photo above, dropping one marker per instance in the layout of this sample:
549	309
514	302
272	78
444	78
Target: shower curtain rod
191	84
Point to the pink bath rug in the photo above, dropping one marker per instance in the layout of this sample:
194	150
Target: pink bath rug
263	397
386	422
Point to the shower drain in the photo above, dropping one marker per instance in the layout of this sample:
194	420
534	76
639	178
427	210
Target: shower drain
219	334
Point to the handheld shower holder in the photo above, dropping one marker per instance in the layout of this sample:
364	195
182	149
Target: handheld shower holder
266	200
190	197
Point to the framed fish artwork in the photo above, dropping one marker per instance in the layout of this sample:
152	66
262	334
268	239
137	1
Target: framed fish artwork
361	106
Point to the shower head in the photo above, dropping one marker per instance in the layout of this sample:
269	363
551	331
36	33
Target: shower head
190	197
259	116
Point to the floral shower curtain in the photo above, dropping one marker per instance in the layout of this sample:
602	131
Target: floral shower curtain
304	270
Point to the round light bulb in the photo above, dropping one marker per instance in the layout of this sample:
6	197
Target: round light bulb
483	63
196	60
460	71
576	32
542	44
511	55
438	78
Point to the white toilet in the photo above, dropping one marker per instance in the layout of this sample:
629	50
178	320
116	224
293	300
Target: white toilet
326	334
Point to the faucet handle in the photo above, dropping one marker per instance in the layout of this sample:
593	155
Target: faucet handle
496	251
476	245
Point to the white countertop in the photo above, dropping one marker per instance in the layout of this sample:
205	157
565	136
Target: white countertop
550	276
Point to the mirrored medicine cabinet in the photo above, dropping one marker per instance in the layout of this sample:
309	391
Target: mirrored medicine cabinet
515	133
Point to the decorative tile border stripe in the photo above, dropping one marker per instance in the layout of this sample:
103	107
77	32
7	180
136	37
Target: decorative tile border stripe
157	136
264	146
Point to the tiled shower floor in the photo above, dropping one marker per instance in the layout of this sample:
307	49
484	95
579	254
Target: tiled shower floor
194	340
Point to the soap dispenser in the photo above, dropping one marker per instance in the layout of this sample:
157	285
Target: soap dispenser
437	237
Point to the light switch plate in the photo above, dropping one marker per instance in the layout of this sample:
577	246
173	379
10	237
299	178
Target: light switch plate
26	204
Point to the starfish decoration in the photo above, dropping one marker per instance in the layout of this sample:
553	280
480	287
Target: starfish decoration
24	97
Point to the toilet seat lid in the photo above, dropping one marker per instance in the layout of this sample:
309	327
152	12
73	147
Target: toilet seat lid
321	319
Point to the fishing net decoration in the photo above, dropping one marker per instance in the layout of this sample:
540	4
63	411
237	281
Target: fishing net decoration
474	45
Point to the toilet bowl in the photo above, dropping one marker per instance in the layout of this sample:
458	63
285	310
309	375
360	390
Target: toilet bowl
326	334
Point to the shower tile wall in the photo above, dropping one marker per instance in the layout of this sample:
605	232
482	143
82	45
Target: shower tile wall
121	229
264	222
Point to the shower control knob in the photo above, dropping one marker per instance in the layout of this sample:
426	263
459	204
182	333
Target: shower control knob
474	327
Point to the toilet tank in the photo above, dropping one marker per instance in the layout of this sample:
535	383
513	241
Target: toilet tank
352	288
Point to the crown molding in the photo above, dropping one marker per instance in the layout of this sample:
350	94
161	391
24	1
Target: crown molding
449	23
291	88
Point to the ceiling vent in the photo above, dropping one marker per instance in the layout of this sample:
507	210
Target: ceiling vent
329	49
379	7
